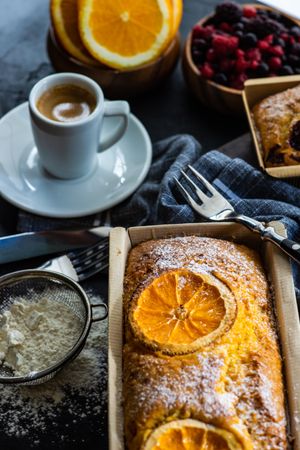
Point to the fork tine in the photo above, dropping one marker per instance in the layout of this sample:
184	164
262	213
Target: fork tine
198	191
203	180
86	252
91	260
186	195
99	267
90	263
88	256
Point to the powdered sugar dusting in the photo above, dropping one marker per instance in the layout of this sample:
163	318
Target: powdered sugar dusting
76	397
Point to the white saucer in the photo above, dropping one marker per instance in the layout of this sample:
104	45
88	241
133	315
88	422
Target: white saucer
24	183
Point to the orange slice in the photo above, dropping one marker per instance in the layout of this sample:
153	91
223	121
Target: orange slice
177	14
125	33
191	434
64	17
181	311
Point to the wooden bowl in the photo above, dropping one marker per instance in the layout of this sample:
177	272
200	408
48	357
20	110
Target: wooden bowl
221	98
116	83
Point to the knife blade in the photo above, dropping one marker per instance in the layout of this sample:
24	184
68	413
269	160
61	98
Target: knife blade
28	245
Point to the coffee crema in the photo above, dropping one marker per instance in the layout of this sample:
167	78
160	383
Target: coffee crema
66	103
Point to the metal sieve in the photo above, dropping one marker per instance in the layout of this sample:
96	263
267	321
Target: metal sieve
33	285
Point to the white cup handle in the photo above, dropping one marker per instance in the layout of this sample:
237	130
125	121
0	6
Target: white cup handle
117	108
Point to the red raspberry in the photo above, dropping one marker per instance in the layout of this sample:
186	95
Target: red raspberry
249	11
269	38
240	53
203	32
226	27
285	36
277	50
224	45
291	40
207	71
253	64
274	63
211	55
233	43
264	46
253	54
241	65
226	65
238	81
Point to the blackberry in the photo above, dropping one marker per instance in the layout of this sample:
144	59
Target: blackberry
295	31
199	44
262	12
286	70
262	70
275	16
198	57
279	41
245	21
249	40
239	26
295	49
228	12
239	34
295	136
294	60
262	26
220	78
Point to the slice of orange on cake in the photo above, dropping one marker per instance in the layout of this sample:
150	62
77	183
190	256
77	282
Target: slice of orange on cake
181	311
189	434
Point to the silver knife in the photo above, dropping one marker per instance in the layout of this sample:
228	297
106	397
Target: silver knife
27	245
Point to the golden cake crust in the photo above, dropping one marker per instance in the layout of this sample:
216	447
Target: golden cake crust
236	382
277	121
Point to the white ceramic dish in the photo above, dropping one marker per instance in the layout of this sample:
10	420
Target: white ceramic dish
24	183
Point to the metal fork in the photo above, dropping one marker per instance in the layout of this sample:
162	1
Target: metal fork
216	208
81	264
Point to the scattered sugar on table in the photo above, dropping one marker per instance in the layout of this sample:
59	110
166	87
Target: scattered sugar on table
77	394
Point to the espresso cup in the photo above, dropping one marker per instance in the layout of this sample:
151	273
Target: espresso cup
69	149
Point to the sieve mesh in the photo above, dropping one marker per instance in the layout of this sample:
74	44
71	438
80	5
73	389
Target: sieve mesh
65	298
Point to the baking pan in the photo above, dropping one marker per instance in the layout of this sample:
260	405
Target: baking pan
255	91
279	273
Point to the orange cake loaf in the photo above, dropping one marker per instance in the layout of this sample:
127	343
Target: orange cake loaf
277	121
201	362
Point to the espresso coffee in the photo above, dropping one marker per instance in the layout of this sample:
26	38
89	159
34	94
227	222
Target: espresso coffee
66	103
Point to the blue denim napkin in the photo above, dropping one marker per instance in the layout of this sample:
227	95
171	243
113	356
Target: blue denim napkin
158	200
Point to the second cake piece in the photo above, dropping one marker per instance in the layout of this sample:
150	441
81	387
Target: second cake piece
277	123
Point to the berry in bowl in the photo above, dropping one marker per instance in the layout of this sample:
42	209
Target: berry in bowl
237	43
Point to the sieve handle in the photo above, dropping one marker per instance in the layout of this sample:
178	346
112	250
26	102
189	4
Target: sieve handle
101	305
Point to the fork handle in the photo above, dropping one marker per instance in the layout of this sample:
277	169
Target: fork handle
290	247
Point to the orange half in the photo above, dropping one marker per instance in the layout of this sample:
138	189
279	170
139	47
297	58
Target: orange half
182	311
125	33
64	17
191	434
177	14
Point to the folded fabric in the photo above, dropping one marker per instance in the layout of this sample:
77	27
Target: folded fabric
158	200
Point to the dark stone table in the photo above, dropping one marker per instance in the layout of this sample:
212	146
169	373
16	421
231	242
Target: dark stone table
169	110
